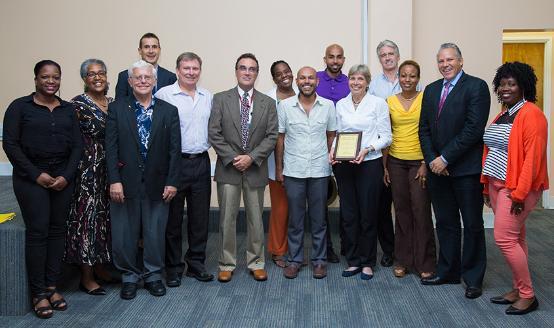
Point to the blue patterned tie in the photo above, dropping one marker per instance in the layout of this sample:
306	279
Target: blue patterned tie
244	113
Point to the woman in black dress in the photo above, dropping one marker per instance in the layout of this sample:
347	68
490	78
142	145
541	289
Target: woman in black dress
88	241
43	143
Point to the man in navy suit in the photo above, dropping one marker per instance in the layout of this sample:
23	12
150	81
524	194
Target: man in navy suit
143	152
454	113
149	50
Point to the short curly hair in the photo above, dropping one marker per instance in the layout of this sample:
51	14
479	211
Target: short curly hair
524	76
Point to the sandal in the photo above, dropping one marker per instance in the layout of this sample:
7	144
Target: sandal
43	312
59	304
400	271
425	275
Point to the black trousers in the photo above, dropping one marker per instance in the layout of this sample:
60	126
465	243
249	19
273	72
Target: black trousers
45	213
360	194
385	230
195	188
451	196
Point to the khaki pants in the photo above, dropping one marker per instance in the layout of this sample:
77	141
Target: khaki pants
229	202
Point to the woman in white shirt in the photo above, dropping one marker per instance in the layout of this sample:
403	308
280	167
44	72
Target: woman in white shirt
360	180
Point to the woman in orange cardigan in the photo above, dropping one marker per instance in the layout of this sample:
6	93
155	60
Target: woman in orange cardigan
515	174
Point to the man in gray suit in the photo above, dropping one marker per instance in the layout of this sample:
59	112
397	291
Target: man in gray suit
243	132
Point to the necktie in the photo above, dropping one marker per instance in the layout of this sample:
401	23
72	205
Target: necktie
244	113
443	97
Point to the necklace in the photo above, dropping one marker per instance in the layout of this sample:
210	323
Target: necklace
409	99
356	102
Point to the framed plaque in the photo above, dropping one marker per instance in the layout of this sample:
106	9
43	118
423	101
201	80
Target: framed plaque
347	146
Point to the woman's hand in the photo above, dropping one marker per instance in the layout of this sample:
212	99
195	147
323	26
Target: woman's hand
59	183
332	156
361	155
45	180
386	177
421	175
517	207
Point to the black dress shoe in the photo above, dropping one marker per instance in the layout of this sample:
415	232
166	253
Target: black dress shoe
96	292
386	260
128	291
173	279
500	300
331	256
515	311
436	280
200	275
156	288
350	273
473	292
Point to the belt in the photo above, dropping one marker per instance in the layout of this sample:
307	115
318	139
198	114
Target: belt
191	156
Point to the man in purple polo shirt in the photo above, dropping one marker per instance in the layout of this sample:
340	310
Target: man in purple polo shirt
333	85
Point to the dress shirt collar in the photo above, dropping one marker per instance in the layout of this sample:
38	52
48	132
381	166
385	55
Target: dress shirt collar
384	78
454	80
241	92
299	105
176	89
512	110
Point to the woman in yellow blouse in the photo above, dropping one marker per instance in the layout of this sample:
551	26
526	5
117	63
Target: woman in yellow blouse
406	172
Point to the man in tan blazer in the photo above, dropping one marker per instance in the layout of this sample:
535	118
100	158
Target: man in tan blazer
243	132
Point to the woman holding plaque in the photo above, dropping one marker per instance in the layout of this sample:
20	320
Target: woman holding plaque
406	172
359	170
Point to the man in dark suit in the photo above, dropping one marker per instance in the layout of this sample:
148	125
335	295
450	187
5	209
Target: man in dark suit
454	113
143	149
243	131
149	50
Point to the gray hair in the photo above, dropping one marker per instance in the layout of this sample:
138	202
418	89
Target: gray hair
388	43
91	61
360	69
450	45
188	56
141	64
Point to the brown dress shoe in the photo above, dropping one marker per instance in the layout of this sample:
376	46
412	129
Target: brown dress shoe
291	271
320	271
259	275
225	276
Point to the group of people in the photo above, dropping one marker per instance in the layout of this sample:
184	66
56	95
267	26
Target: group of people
103	181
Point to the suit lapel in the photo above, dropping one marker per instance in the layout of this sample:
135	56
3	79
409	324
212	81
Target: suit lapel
132	120
234	108
257	113
156	121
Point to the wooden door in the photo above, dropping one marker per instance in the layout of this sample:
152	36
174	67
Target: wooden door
531	54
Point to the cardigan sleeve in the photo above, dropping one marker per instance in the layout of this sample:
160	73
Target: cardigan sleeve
535	134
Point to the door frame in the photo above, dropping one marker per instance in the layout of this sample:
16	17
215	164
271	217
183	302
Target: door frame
546	38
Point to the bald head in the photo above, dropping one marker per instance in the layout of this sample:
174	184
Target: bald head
307	81
334	59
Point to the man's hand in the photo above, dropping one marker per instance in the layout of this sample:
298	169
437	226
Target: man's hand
169	193
59	183
45	180
242	162
438	166
279	175
116	192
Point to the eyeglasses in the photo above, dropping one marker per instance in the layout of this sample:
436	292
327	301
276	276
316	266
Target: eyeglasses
249	69
92	75
147	78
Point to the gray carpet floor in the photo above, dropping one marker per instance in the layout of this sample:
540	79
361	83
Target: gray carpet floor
384	301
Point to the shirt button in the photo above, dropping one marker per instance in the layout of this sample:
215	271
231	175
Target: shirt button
53	124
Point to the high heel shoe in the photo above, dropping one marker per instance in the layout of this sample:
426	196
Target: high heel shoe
96	292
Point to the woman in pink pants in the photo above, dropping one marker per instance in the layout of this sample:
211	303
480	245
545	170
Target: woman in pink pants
515	174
